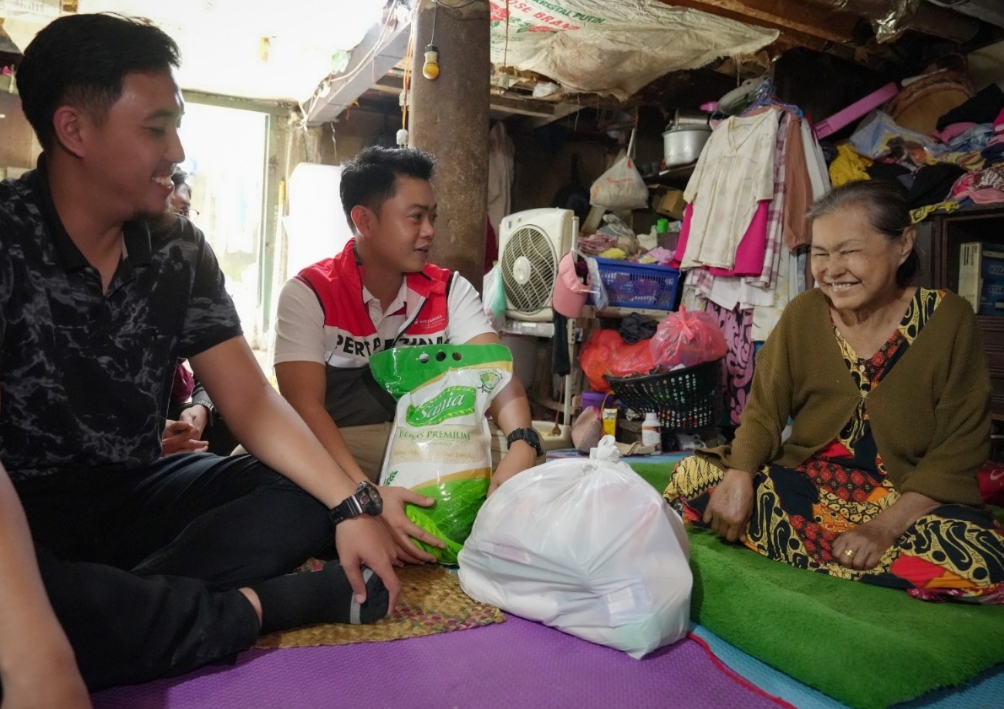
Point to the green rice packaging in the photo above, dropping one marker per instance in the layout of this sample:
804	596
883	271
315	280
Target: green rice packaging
440	446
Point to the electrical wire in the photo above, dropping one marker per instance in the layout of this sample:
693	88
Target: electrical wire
406	79
505	49
435	14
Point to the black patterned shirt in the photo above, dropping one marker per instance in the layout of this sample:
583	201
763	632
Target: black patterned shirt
85	376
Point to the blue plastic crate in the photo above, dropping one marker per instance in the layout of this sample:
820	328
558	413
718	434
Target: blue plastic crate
639	285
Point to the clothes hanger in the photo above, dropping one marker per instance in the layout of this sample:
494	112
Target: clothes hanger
764	97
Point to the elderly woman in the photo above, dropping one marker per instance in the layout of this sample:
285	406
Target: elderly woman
888	391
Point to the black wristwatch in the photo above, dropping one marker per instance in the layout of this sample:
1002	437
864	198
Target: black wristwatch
203	401
365	500
529	435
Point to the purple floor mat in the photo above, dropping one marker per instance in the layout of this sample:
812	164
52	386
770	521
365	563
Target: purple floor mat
514	665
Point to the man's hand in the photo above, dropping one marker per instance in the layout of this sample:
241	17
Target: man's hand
402	530
180	437
45	679
198	416
731	504
364	540
520	456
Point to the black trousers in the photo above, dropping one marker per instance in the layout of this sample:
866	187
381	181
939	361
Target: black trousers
142	566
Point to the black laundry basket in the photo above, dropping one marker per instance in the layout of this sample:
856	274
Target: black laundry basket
685	399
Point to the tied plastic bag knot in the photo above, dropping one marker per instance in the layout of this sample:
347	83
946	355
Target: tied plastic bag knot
606	451
619	188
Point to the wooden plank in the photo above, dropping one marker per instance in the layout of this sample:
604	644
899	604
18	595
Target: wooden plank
807	24
560	111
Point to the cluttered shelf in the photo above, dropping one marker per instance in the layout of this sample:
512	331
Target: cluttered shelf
676	176
590	311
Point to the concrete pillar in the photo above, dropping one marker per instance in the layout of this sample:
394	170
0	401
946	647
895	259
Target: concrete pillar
449	117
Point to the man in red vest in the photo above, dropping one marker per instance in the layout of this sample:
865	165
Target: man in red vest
381	292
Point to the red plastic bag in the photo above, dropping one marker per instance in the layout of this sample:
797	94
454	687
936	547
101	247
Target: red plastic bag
688	339
607	353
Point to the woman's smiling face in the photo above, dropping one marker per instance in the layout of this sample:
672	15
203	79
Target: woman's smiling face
853	263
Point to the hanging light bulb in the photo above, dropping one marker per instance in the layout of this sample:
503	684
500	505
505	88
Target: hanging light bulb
430	70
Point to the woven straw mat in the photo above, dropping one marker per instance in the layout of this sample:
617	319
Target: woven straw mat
431	602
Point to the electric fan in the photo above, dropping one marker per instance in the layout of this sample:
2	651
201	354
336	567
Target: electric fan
531	244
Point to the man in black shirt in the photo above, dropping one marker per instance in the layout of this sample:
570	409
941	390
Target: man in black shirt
152	565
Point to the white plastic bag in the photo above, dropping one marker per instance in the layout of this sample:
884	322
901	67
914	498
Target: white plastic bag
493	302
620	187
587	547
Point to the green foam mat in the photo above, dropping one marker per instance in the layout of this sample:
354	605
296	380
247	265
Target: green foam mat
866	646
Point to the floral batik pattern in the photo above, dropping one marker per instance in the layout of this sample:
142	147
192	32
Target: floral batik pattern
955	551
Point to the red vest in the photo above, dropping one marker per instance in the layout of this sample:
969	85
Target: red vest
349	334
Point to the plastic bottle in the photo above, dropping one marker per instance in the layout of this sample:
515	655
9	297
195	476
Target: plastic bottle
650	431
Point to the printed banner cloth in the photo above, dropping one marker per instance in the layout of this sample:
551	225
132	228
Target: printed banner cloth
613	48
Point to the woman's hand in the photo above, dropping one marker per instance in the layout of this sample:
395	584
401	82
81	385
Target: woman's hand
862	548
402	529
731	504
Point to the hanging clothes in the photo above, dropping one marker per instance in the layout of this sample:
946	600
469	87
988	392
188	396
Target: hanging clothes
735	171
798	189
736	292
736	326
501	161
749	255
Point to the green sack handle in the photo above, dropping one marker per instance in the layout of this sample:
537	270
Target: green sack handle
404	369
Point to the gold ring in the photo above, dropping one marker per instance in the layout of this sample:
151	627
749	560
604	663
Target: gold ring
849	553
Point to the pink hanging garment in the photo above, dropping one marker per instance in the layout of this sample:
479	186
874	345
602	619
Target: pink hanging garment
749	255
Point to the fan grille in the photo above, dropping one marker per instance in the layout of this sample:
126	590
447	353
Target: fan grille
531	247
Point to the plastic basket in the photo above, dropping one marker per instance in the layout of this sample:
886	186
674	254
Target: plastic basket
639	285
685	399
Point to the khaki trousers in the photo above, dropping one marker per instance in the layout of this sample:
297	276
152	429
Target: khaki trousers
366	443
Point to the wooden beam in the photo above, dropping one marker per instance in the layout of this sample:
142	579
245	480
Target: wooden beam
539	113
808	24
536	109
378	52
560	111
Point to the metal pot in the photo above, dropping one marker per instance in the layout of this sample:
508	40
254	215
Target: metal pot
682	146
688	118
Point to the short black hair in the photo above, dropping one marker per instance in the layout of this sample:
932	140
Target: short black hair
368	179
179	177
887	212
82	60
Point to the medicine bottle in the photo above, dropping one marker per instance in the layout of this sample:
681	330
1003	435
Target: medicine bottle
650	432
